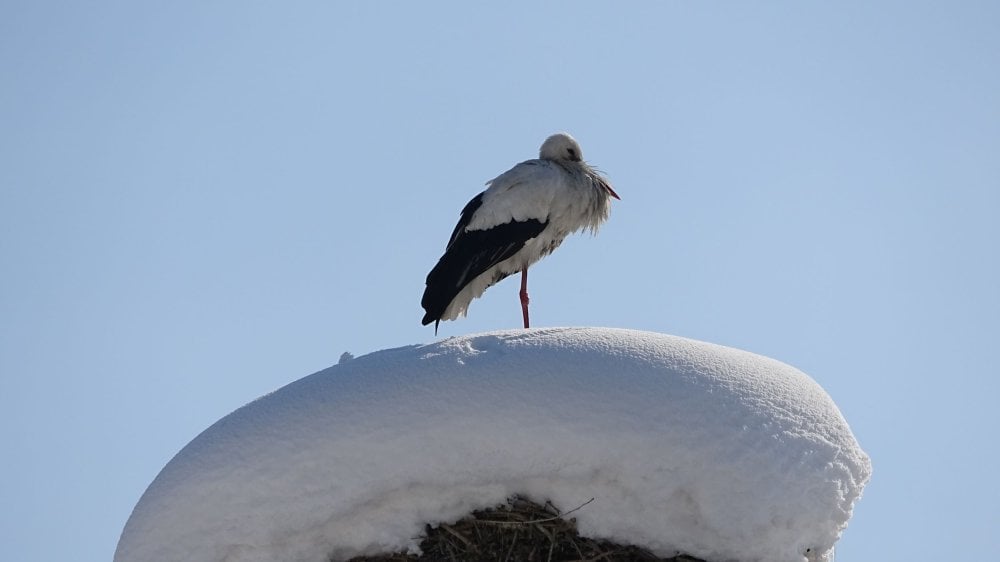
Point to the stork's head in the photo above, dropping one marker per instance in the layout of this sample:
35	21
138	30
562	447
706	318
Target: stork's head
561	146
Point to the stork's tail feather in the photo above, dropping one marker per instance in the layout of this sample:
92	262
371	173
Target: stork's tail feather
432	317
428	318
436	299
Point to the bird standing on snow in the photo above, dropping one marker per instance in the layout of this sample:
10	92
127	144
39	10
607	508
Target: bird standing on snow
523	215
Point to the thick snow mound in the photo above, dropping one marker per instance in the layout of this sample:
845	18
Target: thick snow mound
685	446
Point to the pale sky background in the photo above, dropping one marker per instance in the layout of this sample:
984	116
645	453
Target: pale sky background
203	201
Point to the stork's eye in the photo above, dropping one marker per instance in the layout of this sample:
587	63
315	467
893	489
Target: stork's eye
572	152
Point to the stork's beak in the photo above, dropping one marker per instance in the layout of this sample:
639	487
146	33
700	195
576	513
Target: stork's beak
611	192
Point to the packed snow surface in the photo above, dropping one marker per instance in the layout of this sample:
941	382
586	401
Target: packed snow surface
685	447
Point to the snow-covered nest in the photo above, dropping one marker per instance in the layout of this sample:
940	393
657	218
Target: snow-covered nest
685	447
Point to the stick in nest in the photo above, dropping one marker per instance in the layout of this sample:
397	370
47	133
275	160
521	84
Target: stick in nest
519	530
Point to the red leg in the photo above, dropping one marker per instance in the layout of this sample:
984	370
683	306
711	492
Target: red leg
524	295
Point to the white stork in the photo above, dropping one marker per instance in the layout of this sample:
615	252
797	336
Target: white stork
524	214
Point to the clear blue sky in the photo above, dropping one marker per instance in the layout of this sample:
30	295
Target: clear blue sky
203	201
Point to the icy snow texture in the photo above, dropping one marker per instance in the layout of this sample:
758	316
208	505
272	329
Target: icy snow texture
685	446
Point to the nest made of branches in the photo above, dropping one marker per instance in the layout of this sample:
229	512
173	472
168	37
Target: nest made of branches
519	531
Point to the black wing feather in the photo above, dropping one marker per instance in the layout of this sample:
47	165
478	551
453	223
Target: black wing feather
469	254
470	209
